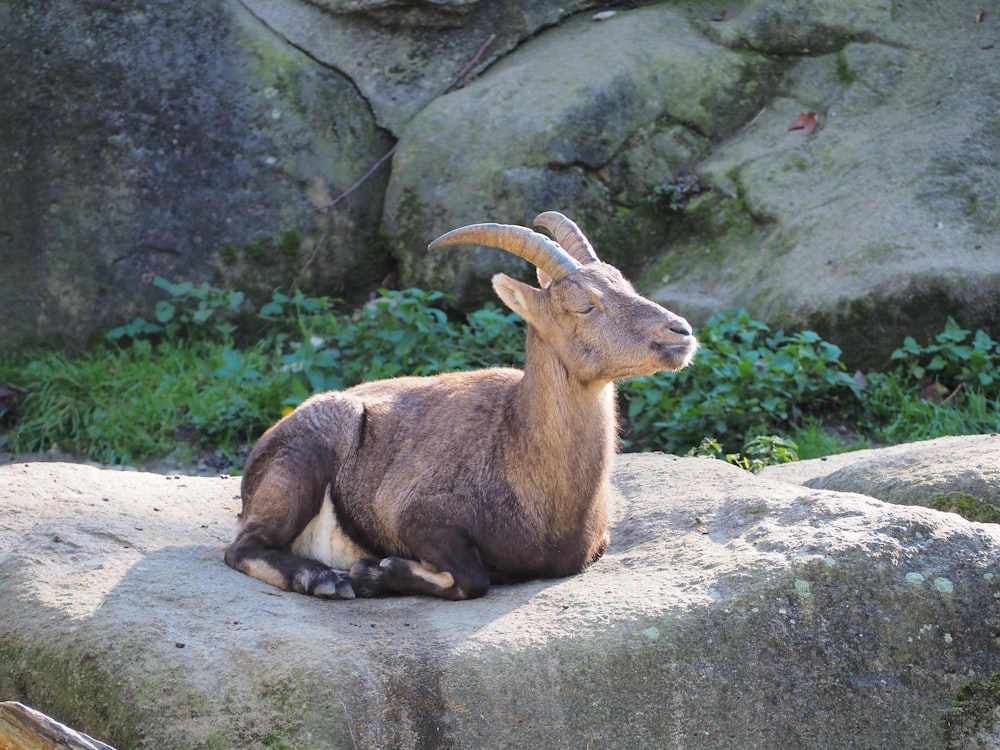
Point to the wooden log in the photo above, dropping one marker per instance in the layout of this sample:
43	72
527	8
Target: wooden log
24	728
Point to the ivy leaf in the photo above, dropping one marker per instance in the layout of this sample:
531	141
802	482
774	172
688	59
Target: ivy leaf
165	311
807	122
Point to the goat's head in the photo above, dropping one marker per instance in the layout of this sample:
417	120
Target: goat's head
597	324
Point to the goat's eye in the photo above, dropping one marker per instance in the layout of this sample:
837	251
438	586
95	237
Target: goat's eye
586	310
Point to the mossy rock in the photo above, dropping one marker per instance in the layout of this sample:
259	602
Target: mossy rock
879	224
759	587
157	147
952	474
554	127
976	713
984	510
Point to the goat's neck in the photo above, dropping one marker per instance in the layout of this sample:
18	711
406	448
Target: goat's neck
566	428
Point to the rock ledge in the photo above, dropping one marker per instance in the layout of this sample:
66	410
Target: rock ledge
732	610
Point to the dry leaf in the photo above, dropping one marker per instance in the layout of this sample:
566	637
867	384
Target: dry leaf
933	392
807	122
980	16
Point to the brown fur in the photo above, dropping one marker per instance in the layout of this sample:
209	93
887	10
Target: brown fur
456	481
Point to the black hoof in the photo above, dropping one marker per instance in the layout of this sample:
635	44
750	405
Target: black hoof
331	584
367	577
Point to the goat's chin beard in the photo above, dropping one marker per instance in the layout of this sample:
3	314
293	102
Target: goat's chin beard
675	357
662	358
660	364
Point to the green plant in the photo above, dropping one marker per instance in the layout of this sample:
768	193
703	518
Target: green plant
815	438
186	380
758	452
190	310
207	373
745	381
950	386
119	405
953	360
398	333
672	195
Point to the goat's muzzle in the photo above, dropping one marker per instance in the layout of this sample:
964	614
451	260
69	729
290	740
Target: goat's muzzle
675	343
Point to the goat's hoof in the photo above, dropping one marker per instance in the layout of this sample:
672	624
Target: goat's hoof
367	575
333	585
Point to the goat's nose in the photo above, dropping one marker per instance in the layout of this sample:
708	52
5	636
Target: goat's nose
680	327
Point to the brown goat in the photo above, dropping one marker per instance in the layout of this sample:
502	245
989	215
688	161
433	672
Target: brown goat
442	485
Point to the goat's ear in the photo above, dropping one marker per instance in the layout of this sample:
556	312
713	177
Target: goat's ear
518	296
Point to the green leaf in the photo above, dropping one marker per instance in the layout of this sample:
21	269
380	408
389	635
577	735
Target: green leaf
937	363
165	311
272	309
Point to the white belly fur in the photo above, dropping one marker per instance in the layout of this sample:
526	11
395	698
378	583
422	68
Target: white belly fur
324	540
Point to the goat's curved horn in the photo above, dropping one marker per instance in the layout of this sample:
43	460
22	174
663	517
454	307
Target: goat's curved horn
567	234
526	243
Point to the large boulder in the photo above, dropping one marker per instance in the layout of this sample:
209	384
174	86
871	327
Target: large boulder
181	140
731	611
912	474
885	220
135	146
583	118
880	224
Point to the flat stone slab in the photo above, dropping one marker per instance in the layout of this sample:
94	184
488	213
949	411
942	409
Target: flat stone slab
731	610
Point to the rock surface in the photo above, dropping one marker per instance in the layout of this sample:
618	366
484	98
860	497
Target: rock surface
885	220
732	611
579	114
132	147
400	54
878	225
140	142
910	474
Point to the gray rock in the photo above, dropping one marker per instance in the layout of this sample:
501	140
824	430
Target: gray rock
580	114
134	146
931	473
732	611
139	142
804	27
877	226
885	220
402	53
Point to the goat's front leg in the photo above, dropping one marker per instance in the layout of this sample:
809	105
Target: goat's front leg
450	569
